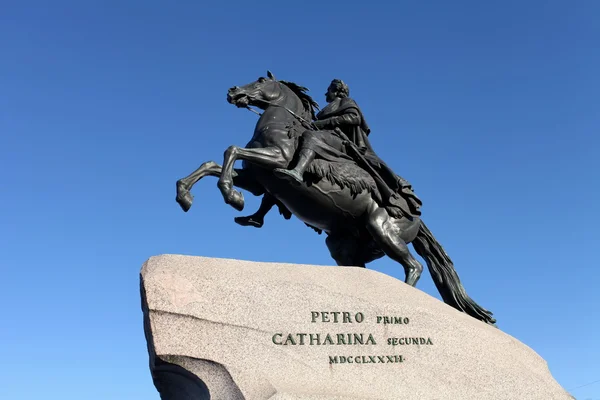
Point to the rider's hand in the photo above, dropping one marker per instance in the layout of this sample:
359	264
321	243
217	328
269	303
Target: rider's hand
319	124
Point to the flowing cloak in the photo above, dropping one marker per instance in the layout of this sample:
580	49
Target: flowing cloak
345	114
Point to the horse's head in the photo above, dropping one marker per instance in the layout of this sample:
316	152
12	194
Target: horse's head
260	93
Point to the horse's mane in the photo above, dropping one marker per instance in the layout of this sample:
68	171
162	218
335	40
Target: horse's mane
309	104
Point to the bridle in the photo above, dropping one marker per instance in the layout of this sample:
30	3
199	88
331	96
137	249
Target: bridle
303	121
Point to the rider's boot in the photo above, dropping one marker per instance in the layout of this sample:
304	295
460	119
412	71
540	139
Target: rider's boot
258	218
295	175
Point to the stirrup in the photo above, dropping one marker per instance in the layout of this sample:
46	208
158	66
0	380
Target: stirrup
289	175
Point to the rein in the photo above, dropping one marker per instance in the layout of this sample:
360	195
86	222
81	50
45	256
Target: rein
306	123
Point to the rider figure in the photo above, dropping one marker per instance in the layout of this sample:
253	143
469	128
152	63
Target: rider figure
341	114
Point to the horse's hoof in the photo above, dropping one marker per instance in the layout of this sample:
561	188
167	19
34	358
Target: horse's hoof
236	200
184	197
412	278
248	221
185	200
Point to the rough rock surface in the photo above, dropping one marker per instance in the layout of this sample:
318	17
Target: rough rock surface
222	327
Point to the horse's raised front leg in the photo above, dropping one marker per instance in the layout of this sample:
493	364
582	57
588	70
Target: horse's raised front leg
268	157
241	178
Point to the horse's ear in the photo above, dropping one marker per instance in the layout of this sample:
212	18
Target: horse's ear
270	75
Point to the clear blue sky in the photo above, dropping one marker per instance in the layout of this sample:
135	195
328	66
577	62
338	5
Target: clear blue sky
491	111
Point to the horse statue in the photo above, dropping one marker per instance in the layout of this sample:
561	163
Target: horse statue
338	198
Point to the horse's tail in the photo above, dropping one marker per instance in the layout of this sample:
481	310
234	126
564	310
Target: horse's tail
445	277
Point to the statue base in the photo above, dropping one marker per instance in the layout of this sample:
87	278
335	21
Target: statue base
227	329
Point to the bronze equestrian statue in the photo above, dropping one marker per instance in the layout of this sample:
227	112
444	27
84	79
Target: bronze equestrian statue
322	169
341	113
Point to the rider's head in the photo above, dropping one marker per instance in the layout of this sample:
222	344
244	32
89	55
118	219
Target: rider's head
337	88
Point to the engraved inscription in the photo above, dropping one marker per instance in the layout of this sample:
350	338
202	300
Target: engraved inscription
352	339
337	317
365	359
294	339
392	320
409	341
